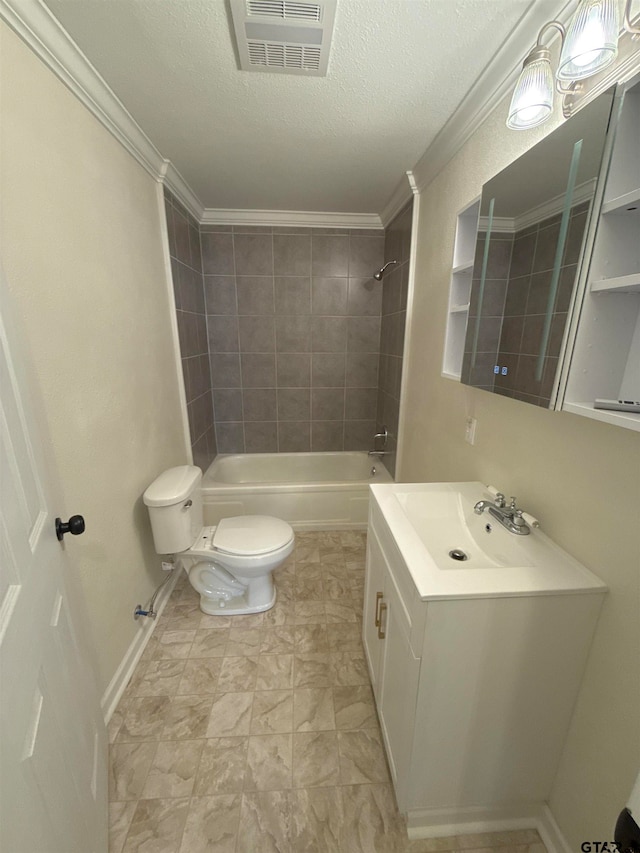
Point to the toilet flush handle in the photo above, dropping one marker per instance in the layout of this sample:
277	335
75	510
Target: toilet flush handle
187	504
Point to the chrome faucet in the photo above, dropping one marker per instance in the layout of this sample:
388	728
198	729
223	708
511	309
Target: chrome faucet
384	435
509	516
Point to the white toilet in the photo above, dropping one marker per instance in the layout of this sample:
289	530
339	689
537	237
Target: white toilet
229	565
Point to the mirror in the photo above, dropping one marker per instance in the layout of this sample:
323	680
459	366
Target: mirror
529	248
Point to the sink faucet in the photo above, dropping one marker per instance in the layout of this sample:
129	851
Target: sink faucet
509	516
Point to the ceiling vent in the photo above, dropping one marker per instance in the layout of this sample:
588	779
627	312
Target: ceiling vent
284	36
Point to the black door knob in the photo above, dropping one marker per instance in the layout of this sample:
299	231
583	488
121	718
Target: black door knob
75	526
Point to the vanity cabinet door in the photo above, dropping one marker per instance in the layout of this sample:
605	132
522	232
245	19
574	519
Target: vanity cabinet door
373	595
399	673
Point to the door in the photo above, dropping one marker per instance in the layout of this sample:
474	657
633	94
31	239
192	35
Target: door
53	745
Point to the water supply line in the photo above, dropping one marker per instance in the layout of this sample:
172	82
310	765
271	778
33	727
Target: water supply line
150	611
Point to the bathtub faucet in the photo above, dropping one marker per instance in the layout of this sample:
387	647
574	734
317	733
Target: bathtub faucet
384	435
378	453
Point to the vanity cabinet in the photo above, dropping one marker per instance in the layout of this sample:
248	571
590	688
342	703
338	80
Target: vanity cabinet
474	694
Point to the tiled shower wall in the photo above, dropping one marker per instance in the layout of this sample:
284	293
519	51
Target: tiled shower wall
394	314
294	330
188	287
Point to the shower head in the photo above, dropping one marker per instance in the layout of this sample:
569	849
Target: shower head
378	275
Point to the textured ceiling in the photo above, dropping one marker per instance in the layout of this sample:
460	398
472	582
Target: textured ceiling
398	69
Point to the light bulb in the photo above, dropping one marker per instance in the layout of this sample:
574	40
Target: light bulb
532	100
592	40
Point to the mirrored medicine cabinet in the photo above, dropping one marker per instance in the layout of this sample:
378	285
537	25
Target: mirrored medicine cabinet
535	220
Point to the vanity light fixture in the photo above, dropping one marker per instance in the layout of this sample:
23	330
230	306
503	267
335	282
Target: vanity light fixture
588	46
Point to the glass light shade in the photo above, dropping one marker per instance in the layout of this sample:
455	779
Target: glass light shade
532	100
592	40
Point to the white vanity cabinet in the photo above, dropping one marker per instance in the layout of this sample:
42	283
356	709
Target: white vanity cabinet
474	694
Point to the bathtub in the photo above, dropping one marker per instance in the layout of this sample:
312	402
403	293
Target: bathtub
312	491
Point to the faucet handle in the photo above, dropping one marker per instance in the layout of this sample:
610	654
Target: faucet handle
513	506
497	496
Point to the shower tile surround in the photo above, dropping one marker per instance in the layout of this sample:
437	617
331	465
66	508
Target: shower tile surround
293	320
395	284
516	291
259	733
188	289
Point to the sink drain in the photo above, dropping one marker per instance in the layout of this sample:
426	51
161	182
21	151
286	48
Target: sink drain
457	554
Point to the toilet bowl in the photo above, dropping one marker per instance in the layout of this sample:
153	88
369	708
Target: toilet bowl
229	565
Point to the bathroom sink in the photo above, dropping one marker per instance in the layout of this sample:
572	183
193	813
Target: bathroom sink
453	552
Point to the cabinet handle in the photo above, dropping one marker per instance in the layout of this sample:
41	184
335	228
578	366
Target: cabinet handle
378	600
382	633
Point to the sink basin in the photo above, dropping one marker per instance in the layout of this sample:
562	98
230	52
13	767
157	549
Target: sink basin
446	524
453	552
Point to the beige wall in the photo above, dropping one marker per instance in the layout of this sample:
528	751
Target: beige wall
83	257
579	477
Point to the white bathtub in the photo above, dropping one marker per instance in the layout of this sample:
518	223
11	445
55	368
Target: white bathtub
312	491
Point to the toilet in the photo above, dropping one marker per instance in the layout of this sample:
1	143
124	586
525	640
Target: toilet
229	565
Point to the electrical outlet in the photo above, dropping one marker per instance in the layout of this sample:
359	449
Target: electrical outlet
470	430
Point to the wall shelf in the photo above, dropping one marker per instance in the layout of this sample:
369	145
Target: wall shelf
620	284
605	362
460	290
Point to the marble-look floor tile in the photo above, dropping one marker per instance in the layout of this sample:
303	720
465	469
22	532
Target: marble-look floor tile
313	709
350	669
230	715
174	645
120	816
237	674
160	678
187	718
244	642
362	757
183	617
173	770
200	676
311	639
222	766
248	620
312	670
144	718
212	824
280	614
307	612
129	764
432	845
345	637
307	553
354	707
157	826
340	611
207	621
316	761
275	672
371	820
115	723
269	763
317	819
278	641
265	822
337	586
308	589
272	712
209	642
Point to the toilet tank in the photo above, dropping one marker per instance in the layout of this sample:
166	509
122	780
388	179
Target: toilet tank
175	508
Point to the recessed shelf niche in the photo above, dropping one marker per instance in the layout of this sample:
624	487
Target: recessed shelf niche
460	290
605	362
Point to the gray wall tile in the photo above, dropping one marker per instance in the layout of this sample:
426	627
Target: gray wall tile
293	370
227	404
294	404
329	334
223	333
257	333
220	294
365	296
292	254
253	254
255	294
330	256
217	254
230	437
293	333
258	370
294	436
259	404
328	370
327	404
327	436
261	437
329	296
293	294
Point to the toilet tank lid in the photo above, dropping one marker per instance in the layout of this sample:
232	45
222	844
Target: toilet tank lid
173	486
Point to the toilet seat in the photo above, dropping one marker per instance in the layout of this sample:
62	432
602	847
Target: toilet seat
251	535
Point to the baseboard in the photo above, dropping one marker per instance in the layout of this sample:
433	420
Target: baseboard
439	823
145	627
551	834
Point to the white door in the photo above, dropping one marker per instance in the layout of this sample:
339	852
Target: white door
53	745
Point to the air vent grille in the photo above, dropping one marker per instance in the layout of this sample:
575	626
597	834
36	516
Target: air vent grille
285	9
284	55
283	36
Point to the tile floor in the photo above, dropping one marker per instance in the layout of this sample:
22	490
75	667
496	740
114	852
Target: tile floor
258	734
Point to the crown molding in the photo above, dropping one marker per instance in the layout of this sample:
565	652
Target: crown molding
511	225
32	21
176	184
290	218
402	195
487	92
